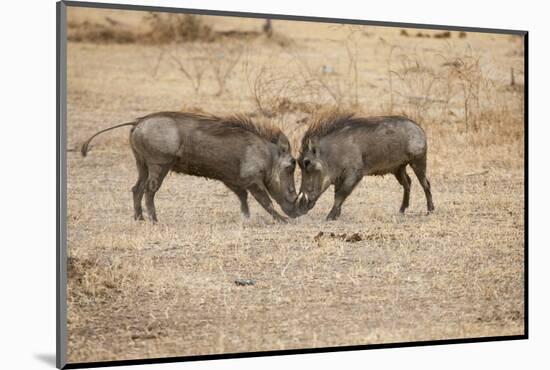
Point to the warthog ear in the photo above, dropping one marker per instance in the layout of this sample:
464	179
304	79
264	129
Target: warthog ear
283	144
313	146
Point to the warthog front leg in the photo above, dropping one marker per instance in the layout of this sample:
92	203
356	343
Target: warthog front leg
342	189
259	192
157	173
242	194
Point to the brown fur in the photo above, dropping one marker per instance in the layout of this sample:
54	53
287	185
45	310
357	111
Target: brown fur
245	156
331	122
225	125
339	148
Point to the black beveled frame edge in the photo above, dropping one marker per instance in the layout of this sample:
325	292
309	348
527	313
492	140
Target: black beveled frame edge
289	352
61	187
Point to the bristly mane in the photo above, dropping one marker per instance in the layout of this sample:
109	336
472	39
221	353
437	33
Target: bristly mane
333	122
226	125
326	124
240	122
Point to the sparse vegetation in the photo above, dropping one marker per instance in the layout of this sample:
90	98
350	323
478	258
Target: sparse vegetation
161	28
222	59
192	63
141	290
171	27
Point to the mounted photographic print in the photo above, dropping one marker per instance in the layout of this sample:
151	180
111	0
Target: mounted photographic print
238	184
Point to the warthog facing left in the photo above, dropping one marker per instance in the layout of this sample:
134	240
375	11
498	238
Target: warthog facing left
339	149
244	156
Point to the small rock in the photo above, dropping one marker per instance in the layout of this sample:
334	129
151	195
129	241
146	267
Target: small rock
244	282
326	69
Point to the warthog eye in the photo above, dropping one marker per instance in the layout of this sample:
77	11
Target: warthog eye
293	162
307	162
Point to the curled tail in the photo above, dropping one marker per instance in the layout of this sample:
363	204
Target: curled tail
84	149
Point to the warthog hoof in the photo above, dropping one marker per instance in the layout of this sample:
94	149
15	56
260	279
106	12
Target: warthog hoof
281	219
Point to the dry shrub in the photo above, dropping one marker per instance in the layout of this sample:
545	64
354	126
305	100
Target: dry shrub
222	59
329	86
276	94
421	34
414	85
443	35
99	33
456	91
469	80
269	90
161	28
164	28
196	61
288	106
191	63
168	27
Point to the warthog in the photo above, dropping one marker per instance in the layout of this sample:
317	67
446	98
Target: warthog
339	149
244	156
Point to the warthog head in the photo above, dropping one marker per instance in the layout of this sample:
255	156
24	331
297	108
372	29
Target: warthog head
281	182
315	175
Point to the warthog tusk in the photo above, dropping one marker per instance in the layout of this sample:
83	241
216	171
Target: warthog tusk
307	199
300	196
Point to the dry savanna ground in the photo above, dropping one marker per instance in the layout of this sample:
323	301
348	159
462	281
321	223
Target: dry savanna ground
138	290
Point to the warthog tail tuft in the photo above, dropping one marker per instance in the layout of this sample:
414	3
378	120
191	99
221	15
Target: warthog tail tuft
84	148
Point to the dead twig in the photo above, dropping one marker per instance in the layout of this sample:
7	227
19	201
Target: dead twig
477	173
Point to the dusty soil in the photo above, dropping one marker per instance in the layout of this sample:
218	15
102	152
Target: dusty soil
374	276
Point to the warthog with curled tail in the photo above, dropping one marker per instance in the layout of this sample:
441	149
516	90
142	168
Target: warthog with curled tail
245	156
339	149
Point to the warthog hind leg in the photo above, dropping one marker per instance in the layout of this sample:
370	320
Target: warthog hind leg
139	188
405	181
419	168
157	173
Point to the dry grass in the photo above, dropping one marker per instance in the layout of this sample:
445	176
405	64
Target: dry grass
141	290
